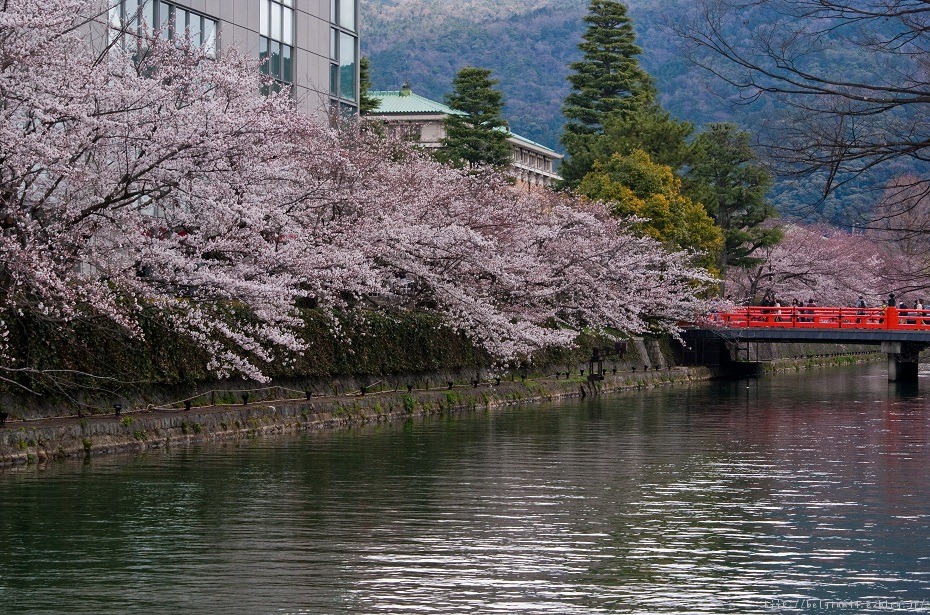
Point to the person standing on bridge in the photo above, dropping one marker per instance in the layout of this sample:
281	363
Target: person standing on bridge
810	304
891	311
902	311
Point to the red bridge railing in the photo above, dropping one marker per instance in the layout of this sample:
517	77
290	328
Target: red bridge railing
894	319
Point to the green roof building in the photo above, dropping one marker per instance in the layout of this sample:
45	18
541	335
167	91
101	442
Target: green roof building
415	118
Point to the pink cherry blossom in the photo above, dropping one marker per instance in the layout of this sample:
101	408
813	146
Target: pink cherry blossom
145	178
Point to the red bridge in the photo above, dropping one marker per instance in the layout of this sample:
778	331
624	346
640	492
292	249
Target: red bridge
829	318
901	333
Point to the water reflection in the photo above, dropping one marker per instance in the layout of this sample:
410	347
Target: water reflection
711	499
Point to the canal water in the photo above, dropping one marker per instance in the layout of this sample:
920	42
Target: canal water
794	493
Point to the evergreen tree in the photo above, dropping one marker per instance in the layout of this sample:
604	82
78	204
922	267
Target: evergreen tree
727	178
650	129
607	81
366	103
478	135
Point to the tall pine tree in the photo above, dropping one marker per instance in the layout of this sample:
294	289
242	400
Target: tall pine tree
607	81
478	135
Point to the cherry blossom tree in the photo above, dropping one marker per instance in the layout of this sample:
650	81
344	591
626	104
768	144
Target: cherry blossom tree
154	182
829	265
148	179
506	266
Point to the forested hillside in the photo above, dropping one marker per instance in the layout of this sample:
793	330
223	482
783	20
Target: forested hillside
528	48
529	45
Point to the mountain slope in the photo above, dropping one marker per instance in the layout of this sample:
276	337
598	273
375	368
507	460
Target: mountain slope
528	44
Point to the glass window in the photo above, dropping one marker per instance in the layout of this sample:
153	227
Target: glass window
164	18
277	60
131	8
142	16
276	21
263	55
209	37
147	16
347	82
287	33
180	25
343	51
347	14
276	25
287	67
346	66
274	49
264	20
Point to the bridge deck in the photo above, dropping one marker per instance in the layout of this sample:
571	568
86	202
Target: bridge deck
820	324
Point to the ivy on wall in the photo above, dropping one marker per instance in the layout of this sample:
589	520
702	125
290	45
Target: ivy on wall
91	361
53	359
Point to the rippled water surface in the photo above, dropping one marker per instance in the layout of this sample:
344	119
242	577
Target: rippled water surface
720	498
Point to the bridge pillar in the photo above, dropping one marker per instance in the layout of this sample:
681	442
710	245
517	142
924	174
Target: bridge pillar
903	359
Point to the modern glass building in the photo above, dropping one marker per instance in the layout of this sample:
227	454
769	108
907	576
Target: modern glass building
310	45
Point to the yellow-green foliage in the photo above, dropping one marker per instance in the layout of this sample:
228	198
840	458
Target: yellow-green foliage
634	185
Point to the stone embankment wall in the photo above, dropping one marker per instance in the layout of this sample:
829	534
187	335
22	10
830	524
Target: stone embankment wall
392	372
780	354
60	438
139	428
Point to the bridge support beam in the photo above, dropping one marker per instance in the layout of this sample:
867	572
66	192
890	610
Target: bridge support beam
903	359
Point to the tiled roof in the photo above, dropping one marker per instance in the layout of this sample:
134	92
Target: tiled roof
395	102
